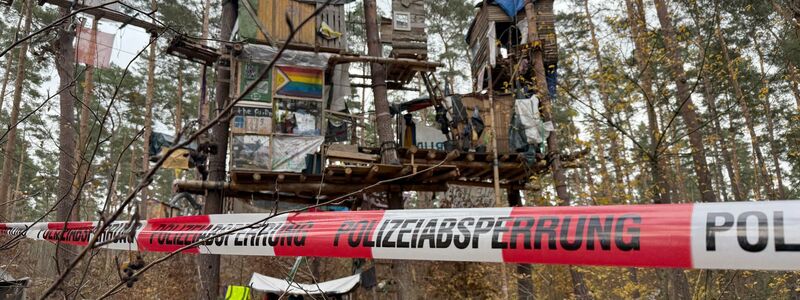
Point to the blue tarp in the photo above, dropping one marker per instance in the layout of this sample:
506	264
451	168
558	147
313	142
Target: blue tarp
511	7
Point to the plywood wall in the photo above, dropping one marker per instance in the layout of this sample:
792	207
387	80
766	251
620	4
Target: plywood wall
273	14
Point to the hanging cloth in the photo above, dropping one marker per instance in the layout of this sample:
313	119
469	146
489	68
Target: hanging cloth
410	132
337	132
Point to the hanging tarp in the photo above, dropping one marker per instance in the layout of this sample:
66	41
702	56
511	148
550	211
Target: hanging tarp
289	152
762	235
527	111
94	47
282	286
511	7
264	54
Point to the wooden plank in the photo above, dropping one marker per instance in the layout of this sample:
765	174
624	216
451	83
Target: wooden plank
106	14
273	15
342	147
335	154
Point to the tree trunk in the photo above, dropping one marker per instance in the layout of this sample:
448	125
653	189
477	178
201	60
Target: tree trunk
609	110
209	265
684	101
773	145
660	188
532	12
761	171
16	196
148	119
65	66
83	122
384	118
794	80
11	143
711	102
203	107
9	63
179	100
525	285
6	77
720	143
599	143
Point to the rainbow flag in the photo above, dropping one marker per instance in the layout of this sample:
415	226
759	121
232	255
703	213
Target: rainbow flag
298	82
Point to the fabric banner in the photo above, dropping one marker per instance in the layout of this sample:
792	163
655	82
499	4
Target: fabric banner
298	82
743	235
94	47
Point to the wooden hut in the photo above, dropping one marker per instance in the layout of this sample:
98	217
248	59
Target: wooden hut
405	30
495	35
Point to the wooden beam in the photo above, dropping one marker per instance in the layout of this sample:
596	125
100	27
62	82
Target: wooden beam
334	154
343	59
444	176
329	189
372	173
107	14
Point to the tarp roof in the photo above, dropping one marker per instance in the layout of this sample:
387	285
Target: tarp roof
279	286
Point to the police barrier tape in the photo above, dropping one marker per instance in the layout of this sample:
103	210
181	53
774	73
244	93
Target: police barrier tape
743	235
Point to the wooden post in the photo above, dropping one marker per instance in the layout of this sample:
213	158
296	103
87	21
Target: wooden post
495	163
210	264
148	116
384	118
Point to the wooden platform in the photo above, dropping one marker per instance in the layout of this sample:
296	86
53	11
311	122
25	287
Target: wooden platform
419	171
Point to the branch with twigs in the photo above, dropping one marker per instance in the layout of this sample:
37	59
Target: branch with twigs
145	181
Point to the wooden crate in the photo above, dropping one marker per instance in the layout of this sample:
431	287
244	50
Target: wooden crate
503	110
334	16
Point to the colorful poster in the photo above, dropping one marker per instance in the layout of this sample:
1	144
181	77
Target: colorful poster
252	119
250	152
249	73
298	82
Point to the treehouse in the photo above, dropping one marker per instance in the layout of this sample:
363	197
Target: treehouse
291	137
498	40
405	31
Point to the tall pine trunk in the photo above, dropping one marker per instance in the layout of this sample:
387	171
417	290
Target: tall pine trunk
384	118
773	145
794	81
710	97
610	111
148	118
209	265
11	142
722	144
761	171
83	119
684	101
532	13
179	100
660	189
65	66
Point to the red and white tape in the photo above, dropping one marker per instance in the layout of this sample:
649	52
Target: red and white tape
742	235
